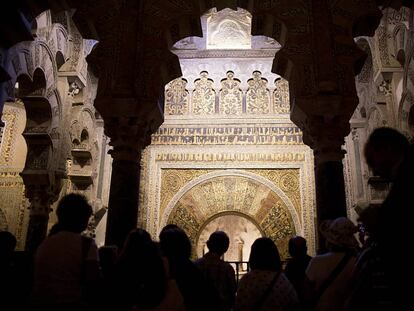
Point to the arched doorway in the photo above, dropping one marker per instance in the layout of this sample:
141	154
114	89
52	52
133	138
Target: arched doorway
241	229
235	204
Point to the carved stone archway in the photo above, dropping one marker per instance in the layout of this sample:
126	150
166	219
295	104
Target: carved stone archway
3	221
241	229
196	204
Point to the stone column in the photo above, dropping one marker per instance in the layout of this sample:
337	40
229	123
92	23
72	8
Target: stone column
40	202
330	186
128	137
326	142
123	196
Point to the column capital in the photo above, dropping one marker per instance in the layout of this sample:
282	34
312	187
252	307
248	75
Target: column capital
40	199
128	137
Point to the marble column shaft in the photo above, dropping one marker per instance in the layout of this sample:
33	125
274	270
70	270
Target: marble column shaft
123	200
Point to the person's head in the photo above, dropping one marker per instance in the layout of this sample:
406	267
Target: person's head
73	213
297	246
339	234
385	150
218	242
141	266
168	227
136	240
7	243
264	255
175	243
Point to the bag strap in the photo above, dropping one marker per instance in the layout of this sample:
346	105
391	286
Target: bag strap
335	272
258	304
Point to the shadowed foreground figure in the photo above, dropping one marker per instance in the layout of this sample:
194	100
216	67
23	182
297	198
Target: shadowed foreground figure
378	284
141	279
14	274
219	272
265	287
328	276
199	294
296	266
66	269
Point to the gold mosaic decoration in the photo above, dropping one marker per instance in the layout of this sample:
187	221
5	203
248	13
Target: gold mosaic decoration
176	97
287	180
173	180
226	194
14	205
7	143
204	97
257	96
281	96
231	96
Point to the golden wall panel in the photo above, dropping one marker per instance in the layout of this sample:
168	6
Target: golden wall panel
287	180
14	206
227	194
7	143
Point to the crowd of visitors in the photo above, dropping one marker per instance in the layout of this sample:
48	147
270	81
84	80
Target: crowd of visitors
68	272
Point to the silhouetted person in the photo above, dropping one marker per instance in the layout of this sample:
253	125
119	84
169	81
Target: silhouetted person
15	274
219	272
265	287
390	156
377	278
107	259
9	288
199	294
142	280
66	269
297	264
329	275
7	246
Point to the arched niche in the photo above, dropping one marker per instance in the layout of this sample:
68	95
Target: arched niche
366	74
241	229
265	205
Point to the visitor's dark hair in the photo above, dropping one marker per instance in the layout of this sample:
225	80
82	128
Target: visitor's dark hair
297	246
175	243
73	213
218	242
264	255
142	270
383	138
7	243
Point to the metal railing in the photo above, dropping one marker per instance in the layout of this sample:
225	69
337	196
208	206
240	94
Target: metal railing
241	268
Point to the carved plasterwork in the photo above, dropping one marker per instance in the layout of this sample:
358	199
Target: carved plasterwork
230	96
232	194
204	97
3	221
228	29
281	96
267	134
171	172
287	180
14	205
7	145
176	97
257	96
